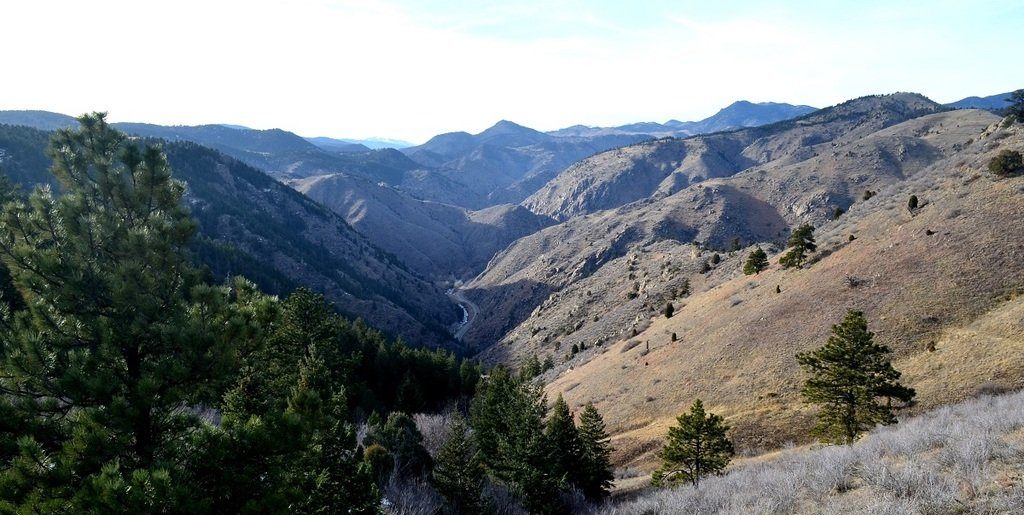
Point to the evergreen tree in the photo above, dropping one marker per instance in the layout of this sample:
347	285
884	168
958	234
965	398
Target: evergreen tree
848	377
669	310
1016	108
548	364
507	415
912	203
801	242
118	334
563	441
696	448
458	473
594	476
756	263
400	436
532	367
329	475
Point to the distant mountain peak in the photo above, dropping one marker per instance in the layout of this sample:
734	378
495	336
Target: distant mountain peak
507	127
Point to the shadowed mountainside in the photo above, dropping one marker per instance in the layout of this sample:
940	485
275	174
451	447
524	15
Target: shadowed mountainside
249	223
436	240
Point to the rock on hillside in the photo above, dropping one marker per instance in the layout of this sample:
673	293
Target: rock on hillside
436	240
616	177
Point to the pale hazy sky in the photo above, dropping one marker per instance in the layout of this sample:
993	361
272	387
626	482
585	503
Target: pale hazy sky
411	69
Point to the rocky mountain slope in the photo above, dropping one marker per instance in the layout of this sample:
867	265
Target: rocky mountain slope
594	253
434	239
254	225
663	167
736	115
940	284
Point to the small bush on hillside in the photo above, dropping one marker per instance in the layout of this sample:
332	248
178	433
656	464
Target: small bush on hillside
868	194
669	310
1008	163
912	203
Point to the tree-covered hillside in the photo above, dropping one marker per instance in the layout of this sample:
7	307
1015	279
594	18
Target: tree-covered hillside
250	224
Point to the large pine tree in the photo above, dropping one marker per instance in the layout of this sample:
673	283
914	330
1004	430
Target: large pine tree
594	476
564	442
119	337
849	377
696	447
507	416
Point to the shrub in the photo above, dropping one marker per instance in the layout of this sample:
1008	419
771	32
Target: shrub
669	310
912	203
1007	163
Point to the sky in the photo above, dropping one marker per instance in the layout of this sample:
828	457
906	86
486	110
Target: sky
410	69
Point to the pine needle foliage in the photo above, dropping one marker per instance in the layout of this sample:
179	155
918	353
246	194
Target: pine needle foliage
697	447
848	378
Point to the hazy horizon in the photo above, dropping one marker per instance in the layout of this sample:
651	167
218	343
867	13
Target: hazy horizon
400	70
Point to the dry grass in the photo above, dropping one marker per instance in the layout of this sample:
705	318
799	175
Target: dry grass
965	458
956	288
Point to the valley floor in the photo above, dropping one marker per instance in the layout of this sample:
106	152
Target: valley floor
964	458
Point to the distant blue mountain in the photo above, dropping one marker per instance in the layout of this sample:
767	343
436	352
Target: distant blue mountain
357	145
736	115
993	102
42	120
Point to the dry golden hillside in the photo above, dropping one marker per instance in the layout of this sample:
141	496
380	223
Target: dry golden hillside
604	274
950	273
